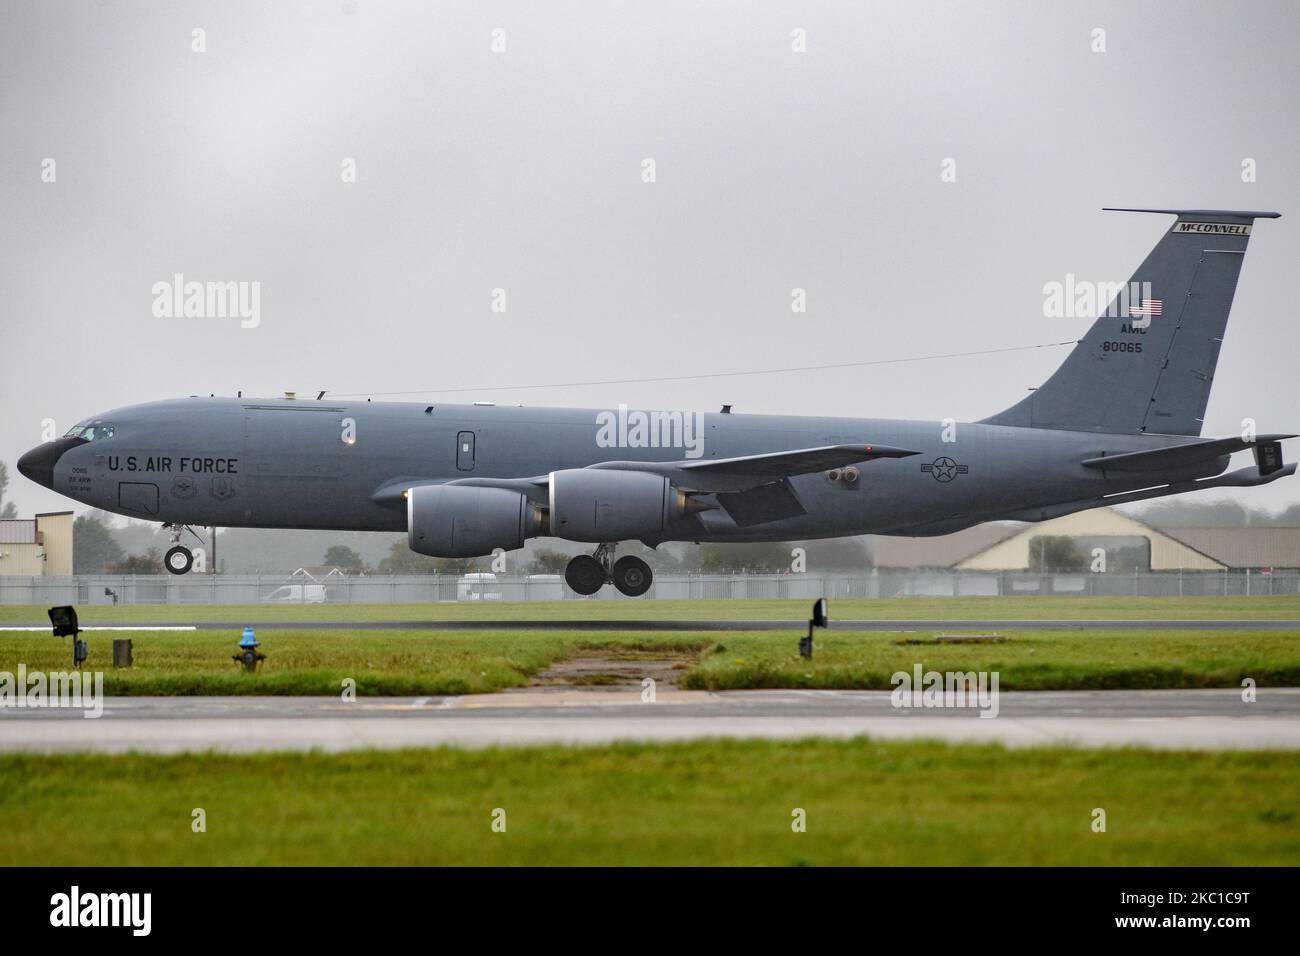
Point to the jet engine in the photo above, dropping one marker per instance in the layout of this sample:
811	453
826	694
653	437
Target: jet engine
458	521
595	504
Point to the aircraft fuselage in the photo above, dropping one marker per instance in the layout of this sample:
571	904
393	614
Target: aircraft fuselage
283	463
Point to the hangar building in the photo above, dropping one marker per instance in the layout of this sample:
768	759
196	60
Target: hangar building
1130	545
37	547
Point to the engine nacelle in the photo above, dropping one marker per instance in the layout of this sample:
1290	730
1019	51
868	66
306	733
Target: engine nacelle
458	521
595	504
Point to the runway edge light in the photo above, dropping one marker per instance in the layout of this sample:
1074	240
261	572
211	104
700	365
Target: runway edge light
64	620
820	618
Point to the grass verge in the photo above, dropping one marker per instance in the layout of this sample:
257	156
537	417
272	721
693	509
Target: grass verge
708	802
393	663
1028	660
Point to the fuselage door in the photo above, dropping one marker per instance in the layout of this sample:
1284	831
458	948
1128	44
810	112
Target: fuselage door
138	497
465	451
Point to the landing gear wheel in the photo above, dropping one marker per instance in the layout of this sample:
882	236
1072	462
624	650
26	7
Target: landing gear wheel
584	574
632	576
178	560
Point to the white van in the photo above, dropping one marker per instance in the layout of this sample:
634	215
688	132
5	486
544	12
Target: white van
478	586
297	594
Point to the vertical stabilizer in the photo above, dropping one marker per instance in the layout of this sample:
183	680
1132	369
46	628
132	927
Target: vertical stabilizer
1148	362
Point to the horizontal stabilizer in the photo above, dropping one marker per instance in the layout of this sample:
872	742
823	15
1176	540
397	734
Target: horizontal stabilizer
1178	456
1241	478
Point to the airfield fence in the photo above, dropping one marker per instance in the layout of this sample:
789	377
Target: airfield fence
429	588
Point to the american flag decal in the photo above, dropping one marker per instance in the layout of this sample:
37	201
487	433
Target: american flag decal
1147	307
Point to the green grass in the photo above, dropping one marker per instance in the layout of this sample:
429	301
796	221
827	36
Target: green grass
402	662
708	802
394	663
889	609
1028	660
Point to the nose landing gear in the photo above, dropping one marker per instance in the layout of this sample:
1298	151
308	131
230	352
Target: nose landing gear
179	559
587	574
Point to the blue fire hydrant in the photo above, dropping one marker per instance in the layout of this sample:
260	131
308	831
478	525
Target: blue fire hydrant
249	656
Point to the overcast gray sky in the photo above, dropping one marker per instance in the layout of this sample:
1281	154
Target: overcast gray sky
523	170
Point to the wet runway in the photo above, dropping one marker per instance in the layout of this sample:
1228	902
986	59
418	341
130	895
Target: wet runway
1178	719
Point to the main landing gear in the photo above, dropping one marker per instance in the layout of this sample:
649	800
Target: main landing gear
178	559
588	573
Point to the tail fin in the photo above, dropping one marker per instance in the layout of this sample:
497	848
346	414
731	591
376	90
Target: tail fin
1147	364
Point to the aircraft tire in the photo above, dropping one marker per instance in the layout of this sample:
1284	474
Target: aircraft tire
632	576
178	560
584	574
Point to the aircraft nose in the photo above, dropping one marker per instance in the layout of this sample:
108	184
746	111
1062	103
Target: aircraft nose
38	464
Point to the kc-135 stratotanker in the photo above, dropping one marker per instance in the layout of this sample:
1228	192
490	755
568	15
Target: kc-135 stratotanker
1119	421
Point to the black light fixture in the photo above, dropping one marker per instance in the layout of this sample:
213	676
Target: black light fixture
65	624
820	618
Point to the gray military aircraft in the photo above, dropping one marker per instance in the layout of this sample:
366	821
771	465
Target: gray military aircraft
1119	421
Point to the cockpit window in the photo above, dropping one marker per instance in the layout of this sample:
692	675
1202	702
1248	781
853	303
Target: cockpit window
90	431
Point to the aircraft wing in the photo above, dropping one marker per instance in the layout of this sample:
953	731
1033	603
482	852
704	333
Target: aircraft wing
748	471
752	489
756	489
